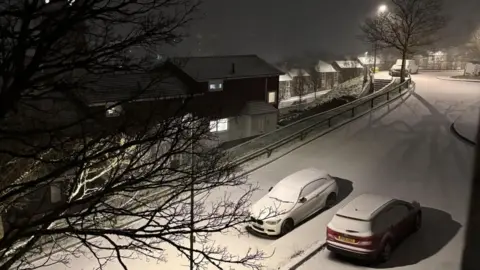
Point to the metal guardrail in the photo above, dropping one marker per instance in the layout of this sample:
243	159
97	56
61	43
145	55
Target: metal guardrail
334	118
265	140
329	119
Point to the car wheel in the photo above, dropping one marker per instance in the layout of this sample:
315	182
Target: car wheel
418	222
331	200
287	226
385	253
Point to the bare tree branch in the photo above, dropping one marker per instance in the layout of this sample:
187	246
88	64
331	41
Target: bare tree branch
75	181
407	26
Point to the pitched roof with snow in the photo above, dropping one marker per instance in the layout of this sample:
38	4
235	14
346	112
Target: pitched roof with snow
208	68
136	86
367	60
324	67
295	72
348	64
285	77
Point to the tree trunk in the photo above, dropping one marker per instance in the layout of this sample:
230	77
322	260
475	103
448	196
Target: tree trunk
402	71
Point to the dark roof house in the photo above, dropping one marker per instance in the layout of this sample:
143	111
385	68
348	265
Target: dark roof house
217	87
203	69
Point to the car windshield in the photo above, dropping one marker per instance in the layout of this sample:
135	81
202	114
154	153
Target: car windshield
350	224
284	193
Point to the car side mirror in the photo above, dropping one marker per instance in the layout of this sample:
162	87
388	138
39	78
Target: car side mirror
270	189
302	200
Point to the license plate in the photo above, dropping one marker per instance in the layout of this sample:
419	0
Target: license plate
346	239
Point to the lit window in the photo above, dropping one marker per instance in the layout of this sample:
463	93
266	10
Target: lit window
272	97
113	111
216	85
219	125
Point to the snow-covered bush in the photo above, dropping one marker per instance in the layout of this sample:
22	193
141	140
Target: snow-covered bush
351	88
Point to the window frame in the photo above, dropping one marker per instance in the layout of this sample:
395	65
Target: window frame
274	97
218	83
308	185
112	110
216	130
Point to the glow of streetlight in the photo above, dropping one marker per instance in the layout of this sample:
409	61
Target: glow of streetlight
382	9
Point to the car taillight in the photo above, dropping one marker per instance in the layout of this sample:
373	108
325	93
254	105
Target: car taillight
330	233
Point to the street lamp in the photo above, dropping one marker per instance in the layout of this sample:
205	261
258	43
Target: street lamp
380	11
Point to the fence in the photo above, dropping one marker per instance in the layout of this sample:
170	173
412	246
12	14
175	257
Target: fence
264	146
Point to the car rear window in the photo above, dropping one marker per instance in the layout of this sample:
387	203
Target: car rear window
350	224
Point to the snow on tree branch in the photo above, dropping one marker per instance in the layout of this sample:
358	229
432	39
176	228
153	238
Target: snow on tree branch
74	182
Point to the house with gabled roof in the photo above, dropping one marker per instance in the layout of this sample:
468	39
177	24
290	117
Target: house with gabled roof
329	76
348	69
238	92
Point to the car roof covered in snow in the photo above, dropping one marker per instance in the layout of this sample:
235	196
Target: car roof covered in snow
303	177
365	206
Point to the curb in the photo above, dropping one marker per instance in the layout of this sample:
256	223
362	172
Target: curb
305	256
457	80
460	136
440	70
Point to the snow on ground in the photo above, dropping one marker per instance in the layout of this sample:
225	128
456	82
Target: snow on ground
351	87
410	153
467	124
306	99
404	150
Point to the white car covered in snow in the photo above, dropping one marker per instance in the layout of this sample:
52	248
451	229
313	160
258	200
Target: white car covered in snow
292	200
411	67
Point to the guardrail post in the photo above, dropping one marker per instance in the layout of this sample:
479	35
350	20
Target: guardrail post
388	95
399	90
329	122
371	102
353	112
302	136
269	152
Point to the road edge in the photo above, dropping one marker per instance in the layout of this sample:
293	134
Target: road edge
457	80
460	136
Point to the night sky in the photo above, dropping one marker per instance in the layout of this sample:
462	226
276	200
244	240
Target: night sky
274	29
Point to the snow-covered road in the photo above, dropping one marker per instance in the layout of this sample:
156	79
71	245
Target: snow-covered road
409	153
404	150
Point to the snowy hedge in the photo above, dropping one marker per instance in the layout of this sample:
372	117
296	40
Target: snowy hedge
351	88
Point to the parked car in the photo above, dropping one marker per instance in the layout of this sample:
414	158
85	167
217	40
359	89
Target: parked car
411	67
370	227
292	200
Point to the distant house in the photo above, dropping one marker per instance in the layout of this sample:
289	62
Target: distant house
295	82
447	59
285	86
329	76
239	93
472	68
348	69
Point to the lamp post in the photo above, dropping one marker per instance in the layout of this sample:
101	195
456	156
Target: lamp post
380	11
190	123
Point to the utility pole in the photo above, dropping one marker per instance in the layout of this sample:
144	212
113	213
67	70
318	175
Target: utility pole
192	193
375	57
